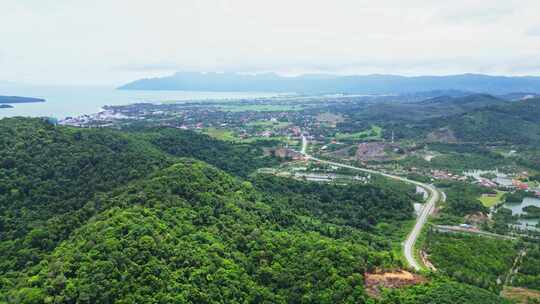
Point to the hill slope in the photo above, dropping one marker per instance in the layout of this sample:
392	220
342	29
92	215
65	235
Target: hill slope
48	174
102	216
85	205
517	122
191	233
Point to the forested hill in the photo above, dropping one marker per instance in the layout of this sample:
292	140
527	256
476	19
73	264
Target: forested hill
103	216
465	103
515	122
191	233
476	118
48	174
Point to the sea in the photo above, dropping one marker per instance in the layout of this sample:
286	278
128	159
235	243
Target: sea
70	101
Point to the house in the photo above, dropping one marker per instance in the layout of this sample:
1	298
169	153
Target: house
266	134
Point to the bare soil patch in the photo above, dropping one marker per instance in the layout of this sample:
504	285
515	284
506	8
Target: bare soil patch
374	282
521	295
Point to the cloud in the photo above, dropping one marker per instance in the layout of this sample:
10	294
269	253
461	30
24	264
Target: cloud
476	15
110	42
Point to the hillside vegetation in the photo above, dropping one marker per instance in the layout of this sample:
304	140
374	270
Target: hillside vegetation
193	233
516	122
107	216
104	216
475	260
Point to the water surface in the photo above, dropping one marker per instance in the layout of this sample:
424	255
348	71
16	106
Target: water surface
62	102
517	209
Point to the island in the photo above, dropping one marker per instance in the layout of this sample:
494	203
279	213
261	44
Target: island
5	106
18	99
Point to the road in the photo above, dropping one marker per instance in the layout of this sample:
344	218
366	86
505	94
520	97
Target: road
434	196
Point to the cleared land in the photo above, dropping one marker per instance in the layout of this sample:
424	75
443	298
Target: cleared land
220	134
521	295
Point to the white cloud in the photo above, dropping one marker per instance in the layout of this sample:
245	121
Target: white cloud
105	41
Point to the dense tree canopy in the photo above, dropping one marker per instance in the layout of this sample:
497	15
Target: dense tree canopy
108	216
475	260
94	216
443	292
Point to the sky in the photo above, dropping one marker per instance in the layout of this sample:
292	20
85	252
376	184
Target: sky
110	42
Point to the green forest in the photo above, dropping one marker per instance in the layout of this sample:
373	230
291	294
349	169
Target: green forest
442	291
169	216
479	261
528	274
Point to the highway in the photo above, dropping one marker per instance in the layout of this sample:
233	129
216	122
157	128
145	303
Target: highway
434	196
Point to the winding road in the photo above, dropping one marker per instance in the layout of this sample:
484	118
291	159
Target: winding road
434	196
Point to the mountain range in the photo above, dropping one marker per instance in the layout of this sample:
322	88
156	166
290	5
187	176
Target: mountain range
323	83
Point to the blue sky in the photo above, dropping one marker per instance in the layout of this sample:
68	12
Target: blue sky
115	41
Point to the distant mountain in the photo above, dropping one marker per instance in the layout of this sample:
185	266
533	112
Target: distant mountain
17	99
315	83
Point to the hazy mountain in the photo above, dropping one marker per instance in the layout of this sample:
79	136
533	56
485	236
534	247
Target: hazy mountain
316	83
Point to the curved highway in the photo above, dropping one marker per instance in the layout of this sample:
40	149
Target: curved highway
434	196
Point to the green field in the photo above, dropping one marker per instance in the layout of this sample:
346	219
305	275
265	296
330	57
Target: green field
372	134
228	135
492	201
220	134
260	108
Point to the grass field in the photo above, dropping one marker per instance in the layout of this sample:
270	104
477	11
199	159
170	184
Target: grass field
260	108
372	134
220	134
489	201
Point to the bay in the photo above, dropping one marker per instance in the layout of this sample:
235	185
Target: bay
66	101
